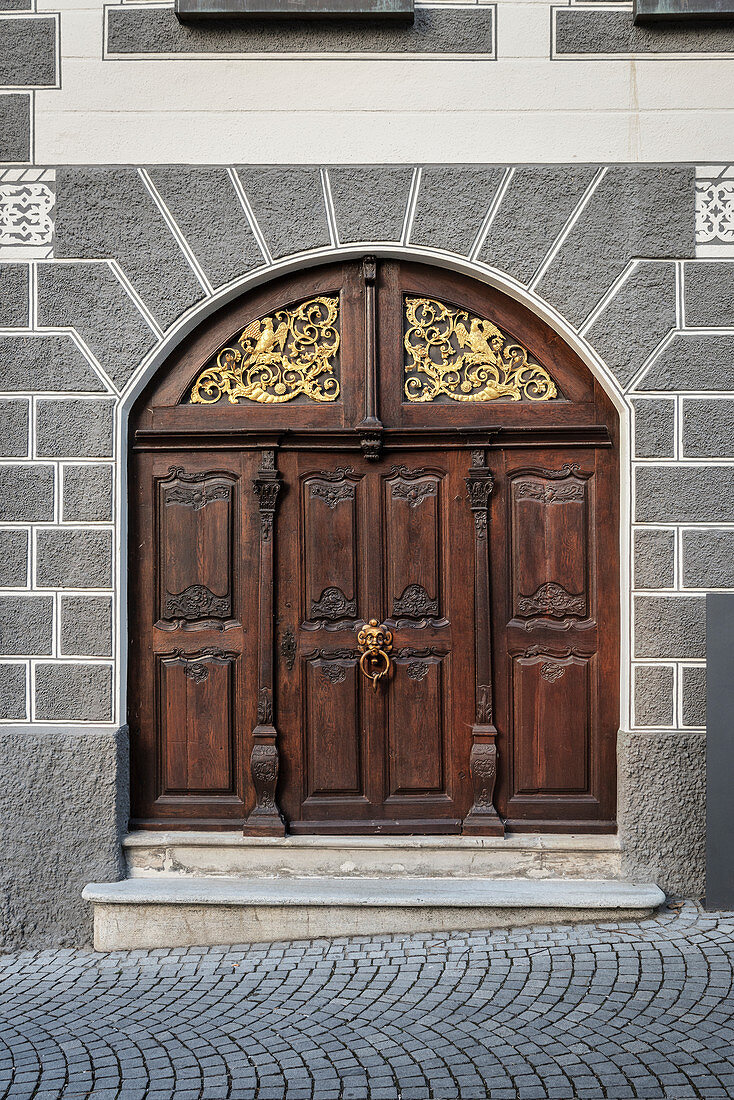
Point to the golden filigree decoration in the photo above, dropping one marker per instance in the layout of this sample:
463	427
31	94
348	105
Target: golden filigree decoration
466	358
277	358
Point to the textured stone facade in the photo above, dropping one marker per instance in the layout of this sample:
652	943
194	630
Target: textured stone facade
141	253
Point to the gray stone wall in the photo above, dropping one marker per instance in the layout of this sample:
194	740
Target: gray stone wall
135	252
63	807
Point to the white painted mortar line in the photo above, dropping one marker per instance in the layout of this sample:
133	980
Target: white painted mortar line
415	183
657	351
249	213
680	310
575	215
135	298
609	296
491	213
172	224
329	205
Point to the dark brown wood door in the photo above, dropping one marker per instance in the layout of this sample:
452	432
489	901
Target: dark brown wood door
388	540
374	441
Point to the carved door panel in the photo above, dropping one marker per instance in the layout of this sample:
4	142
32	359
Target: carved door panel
361	540
556	614
191	713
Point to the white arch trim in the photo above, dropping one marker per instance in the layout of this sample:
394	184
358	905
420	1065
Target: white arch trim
474	269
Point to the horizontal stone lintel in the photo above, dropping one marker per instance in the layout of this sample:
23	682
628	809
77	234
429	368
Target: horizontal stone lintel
649	11
436	31
191	10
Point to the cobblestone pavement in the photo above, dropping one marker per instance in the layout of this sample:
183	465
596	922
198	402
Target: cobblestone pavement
615	1011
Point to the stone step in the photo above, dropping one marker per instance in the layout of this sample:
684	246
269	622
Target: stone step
200	911
526	855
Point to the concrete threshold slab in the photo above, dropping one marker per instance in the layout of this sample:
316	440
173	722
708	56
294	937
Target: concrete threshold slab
161	912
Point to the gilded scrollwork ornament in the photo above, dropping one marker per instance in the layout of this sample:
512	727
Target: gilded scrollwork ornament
277	358
451	353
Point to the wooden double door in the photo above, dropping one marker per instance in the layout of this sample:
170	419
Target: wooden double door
374	567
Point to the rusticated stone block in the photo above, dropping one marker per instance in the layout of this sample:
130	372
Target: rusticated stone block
13	706
708	559
452	202
662	809
625	217
26	625
109	212
87	493
708	428
15	127
73	692
45	362
65	809
73	558
643	309
709	293
670	626
694	695
14	428
71	428
90	299
370	201
684	494
692	361
13	559
13	295
26	493
288	203
28	51
86	626
206	208
654	558
535	207
653	695
654	428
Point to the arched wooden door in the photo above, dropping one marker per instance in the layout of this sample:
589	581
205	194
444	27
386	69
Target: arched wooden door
379	442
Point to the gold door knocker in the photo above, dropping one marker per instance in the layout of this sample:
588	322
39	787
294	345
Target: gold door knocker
375	641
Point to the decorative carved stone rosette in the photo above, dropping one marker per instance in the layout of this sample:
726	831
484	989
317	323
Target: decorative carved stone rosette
277	359
453	354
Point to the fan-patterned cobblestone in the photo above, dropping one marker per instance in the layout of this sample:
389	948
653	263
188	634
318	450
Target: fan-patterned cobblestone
609	1011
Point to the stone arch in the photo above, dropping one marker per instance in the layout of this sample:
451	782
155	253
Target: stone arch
156	358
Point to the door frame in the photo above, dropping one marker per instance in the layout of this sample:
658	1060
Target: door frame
157	357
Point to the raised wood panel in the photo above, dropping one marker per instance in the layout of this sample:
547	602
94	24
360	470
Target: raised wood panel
196	717
550	537
195	530
330	548
412	507
333	727
553	714
416	733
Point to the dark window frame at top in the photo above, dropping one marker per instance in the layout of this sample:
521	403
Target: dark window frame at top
382	10
686	11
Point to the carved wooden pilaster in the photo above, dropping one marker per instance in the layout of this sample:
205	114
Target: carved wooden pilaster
483	818
266	819
370	428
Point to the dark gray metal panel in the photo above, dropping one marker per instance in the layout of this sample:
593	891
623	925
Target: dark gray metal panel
720	750
307	9
652	10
